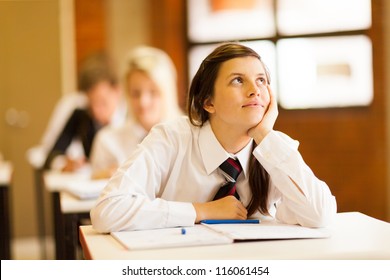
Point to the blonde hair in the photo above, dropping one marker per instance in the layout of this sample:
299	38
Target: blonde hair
160	68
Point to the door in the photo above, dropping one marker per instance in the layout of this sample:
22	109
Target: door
30	84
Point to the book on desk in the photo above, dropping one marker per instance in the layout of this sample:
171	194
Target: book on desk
214	234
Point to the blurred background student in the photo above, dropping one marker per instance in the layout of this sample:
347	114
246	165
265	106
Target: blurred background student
99	104
61	113
150	83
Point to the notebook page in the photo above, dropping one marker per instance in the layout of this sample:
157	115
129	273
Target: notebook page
170	238
262	231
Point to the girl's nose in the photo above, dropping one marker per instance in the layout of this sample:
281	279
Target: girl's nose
255	89
145	99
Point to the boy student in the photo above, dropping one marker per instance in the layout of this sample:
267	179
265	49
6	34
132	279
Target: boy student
181	173
104	106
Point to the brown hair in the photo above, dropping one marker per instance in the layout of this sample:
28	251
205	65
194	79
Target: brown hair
96	67
202	88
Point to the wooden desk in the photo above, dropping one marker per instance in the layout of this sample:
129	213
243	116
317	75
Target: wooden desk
6	171
354	236
55	183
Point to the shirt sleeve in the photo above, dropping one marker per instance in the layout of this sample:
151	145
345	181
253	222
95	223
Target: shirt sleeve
132	199
305	199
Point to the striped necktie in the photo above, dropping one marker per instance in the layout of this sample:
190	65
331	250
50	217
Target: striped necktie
231	168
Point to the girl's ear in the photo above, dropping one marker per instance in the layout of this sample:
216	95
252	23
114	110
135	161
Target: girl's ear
209	106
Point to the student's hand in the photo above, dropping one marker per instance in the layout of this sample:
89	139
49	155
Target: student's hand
267	123
73	164
228	207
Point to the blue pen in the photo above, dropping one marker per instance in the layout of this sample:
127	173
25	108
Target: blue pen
183	231
230	221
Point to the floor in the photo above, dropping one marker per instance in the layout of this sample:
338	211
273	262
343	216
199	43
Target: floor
32	249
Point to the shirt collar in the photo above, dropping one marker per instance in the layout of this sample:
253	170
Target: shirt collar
213	154
139	131
136	129
244	156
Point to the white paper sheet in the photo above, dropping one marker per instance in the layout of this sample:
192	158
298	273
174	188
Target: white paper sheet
170	237
268	231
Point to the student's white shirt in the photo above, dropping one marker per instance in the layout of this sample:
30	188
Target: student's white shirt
177	164
113	145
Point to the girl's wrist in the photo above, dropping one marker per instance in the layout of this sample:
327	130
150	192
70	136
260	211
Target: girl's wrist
259	135
199	212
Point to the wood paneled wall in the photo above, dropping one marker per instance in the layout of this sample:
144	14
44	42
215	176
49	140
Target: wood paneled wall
168	32
90	25
168	29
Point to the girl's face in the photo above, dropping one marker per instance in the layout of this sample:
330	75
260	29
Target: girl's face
240	97
145	99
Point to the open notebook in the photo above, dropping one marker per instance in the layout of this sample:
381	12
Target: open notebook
213	235
169	238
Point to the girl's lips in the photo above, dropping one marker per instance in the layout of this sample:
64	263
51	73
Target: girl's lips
253	104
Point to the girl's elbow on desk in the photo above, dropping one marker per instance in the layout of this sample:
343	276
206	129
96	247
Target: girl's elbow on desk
313	216
321	218
105	219
99	223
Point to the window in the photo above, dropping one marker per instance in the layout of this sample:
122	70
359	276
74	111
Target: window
216	20
317	51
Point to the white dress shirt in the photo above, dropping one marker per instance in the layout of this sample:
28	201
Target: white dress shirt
177	164
113	145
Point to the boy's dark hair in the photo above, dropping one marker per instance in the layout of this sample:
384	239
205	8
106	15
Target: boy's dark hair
95	68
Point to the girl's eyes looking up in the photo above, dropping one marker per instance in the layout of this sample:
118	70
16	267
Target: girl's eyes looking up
239	80
262	81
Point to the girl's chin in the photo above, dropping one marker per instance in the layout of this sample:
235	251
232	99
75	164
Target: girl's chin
255	120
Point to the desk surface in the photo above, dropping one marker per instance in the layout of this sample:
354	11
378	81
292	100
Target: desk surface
59	181
56	181
5	173
6	170
63	183
354	236
71	204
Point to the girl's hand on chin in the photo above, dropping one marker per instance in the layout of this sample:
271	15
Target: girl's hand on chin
266	125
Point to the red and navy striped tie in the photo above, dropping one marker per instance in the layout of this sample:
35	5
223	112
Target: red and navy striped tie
232	168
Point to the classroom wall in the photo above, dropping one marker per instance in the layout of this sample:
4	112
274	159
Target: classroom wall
127	26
